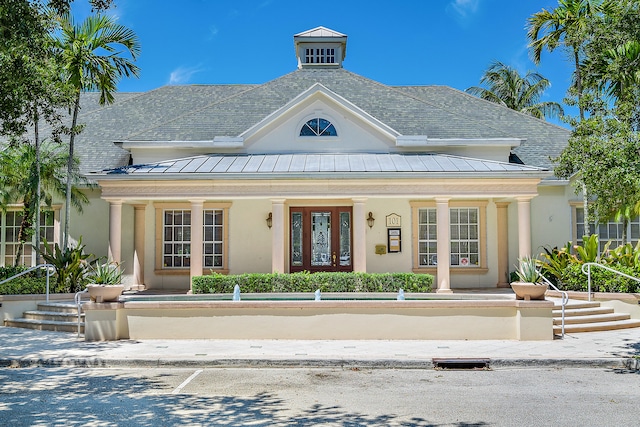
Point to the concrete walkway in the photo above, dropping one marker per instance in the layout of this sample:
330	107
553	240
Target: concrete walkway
23	347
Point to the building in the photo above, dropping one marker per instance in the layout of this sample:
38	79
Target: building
318	170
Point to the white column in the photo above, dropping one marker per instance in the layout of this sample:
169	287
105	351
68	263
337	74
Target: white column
278	236
444	246
359	235
524	226
115	231
197	219
503	244
138	244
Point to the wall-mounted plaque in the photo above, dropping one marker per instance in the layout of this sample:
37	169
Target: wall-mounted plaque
393	220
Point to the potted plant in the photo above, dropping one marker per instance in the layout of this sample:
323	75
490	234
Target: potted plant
529	285
105	281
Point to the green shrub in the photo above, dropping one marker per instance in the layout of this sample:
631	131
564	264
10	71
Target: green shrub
573	279
555	261
309	282
71	266
29	283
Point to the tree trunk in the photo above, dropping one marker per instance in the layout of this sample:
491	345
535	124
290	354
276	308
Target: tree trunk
25	225
585	206
576	58
67	205
38	190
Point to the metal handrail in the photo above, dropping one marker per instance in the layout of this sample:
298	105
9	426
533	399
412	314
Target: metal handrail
595	264
78	301
48	266
565	298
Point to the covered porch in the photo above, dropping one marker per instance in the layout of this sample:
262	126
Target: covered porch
497	195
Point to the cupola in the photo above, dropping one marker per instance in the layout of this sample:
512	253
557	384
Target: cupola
320	48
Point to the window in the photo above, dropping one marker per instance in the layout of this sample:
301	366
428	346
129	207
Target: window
609	231
318	127
320	56
174	224
213	240
427	237
9	245
176	244
466	225
463	223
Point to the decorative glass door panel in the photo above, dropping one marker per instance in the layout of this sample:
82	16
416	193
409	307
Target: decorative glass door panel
320	239
345	239
296	239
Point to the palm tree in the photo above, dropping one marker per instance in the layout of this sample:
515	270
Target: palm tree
505	86
565	26
19	167
92	60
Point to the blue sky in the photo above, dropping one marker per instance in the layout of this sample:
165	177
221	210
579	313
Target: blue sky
413	42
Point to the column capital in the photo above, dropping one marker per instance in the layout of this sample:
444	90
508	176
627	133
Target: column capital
116	202
358	200
278	201
524	199
440	200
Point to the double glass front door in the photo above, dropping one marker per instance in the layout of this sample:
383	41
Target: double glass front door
320	239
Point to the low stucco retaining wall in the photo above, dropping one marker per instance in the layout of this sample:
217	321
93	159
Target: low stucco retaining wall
385	320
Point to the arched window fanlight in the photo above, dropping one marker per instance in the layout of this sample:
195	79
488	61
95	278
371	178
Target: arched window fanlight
318	127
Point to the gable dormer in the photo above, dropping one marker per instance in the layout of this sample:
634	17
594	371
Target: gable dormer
320	48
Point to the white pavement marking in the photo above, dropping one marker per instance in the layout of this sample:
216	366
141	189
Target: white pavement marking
187	381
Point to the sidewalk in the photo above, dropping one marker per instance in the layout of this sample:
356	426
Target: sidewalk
24	347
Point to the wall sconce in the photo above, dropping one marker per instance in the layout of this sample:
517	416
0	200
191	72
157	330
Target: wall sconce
270	220
370	220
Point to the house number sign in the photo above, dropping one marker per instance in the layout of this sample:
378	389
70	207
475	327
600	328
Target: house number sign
393	220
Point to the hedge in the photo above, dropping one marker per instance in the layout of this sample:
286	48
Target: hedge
573	279
27	284
309	282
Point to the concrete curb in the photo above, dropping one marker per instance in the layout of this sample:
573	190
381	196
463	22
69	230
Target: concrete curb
631	364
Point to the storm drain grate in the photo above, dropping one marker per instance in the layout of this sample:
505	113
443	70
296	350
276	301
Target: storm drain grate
462	364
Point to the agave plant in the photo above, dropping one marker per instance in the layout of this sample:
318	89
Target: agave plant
105	273
527	270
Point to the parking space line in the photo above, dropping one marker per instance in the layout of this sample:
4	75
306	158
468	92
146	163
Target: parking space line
187	381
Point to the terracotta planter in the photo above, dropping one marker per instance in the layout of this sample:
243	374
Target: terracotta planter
529	291
104	293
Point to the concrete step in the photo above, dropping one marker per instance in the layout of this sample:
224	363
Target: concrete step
573	304
600	326
58	306
575	320
583	312
45	325
52	315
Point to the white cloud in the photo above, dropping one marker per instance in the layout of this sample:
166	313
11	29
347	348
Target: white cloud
182	75
464	8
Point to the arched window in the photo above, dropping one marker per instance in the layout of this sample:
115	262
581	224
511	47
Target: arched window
318	127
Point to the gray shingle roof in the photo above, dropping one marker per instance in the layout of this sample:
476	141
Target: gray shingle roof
106	124
409	115
543	140
202	112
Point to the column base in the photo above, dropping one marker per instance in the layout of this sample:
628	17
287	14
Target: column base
444	291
